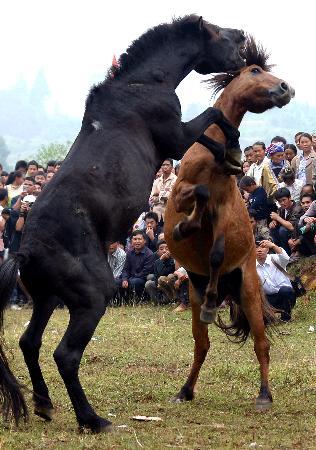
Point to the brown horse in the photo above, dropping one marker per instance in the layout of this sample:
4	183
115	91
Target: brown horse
208	230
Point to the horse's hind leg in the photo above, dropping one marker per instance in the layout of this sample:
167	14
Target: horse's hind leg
252	305
30	344
84	317
209	307
193	223
201	347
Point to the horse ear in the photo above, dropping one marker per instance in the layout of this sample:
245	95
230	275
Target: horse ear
201	23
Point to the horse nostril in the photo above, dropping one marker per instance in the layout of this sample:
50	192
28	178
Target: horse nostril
284	86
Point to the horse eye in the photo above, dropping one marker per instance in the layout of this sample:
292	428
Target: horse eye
255	70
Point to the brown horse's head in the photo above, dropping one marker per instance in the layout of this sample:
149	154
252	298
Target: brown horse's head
253	88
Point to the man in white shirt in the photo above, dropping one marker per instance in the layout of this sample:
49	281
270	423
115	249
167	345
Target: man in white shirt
276	285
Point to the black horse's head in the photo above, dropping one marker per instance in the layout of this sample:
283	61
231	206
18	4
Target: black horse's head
223	48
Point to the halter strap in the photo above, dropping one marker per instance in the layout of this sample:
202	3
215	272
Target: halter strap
216	148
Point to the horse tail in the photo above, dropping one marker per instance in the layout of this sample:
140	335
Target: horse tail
11	395
238	330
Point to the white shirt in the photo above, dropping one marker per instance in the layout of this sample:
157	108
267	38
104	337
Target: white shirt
272	279
255	170
295	189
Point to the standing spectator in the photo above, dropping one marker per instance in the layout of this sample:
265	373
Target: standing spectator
276	285
16	187
245	167
276	163
304	165
21	166
162	188
50	166
28	189
4	177
297	238
40	177
32	168
3	204
58	165
284	222
278	140
49	176
290	151
138	264
260	171
314	140
116	260
249	155
308	189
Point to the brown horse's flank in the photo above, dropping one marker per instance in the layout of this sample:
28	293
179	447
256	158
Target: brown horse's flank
208	230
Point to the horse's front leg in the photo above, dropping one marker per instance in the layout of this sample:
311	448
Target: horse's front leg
210	306
201	347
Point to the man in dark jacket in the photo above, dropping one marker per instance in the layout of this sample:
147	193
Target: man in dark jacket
163	266
138	264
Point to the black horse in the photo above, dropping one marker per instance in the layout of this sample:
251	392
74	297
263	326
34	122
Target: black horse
132	122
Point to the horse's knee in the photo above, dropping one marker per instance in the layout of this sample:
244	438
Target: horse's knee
217	252
67	361
29	346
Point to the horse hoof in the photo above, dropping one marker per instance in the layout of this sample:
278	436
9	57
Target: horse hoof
186	394
97	425
208	315
45	412
263	404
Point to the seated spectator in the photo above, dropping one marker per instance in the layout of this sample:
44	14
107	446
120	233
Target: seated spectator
176	287
257	199
116	260
284	221
307	229
138	264
258	230
295	241
163	266
291	183
276	285
152	230
32	168
308	189
290	151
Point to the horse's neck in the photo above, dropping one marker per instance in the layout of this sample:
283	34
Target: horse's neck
232	109
166	69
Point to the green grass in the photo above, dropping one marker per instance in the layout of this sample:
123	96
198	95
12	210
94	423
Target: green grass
139	359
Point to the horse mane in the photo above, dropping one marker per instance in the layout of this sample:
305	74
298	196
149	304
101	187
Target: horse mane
255	54
143	47
147	42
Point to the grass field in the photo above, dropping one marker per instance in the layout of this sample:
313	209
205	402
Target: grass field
139	358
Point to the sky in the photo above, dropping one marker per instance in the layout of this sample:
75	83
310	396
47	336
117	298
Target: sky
73	41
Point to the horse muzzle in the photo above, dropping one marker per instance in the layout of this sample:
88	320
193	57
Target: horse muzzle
281	94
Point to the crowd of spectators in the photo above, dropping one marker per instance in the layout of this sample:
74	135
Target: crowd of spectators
278	188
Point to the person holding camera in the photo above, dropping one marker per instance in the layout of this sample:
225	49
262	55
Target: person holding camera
276	285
